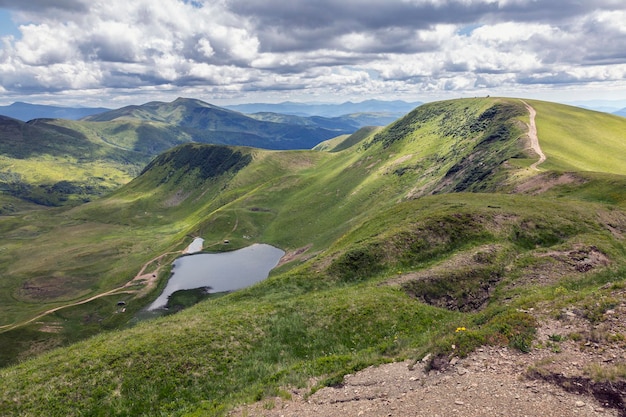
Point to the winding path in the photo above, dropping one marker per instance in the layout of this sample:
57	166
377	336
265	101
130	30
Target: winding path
147	278
534	139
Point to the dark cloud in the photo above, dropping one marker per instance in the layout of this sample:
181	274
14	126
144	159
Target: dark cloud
308	25
108	49
558	78
42	5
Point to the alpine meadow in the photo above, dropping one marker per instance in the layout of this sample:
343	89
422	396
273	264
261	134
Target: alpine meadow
424	240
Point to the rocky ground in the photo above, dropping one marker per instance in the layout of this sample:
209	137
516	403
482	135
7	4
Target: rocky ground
576	368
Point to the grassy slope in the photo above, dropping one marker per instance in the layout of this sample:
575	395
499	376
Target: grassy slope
326	315
53	162
575	139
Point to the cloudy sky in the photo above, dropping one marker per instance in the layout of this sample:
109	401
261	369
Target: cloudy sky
118	52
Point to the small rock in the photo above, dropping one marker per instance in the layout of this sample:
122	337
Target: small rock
459	402
461	371
580	404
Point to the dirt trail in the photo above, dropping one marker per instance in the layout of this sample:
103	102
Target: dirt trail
491	382
552	380
149	279
534	139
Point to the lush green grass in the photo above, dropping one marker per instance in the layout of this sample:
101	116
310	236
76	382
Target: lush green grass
289	199
330	312
576	139
324	318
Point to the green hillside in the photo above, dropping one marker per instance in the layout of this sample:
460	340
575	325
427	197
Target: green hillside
58	162
395	239
206	123
581	140
48	162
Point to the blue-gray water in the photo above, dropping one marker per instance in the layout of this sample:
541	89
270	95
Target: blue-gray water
226	271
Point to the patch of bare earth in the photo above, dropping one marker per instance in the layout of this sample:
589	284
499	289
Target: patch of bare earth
541	183
491	382
555	379
462	260
298	254
614	221
50	288
576	366
55	327
548	267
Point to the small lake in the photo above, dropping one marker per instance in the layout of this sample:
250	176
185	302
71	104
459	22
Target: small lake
225	271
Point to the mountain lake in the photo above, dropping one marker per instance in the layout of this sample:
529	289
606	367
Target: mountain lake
220	272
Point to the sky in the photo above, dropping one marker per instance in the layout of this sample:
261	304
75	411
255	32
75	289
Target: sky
118	52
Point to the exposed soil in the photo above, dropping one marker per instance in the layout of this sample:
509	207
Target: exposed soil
554	380
576	366
532	134
541	183
294	255
552	265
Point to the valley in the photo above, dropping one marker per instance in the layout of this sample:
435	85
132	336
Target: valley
465	227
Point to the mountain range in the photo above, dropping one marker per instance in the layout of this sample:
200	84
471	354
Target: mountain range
27	111
126	139
397	107
375	108
380	111
453	229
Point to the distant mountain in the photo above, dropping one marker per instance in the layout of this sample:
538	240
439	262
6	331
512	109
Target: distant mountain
436	221
397	107
27	111
621	112
350	122
126	139
206	123
55	162
606	106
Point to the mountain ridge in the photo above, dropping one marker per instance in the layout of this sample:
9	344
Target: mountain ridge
27	111
396	107
128	138
431	235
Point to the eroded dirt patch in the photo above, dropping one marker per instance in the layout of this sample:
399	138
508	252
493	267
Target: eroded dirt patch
614	221
549	267
539	184
464	282
609	394
294	255
551	380
176	199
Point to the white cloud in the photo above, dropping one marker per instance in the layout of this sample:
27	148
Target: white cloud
232	47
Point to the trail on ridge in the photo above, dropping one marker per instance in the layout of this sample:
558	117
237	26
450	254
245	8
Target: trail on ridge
534	139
